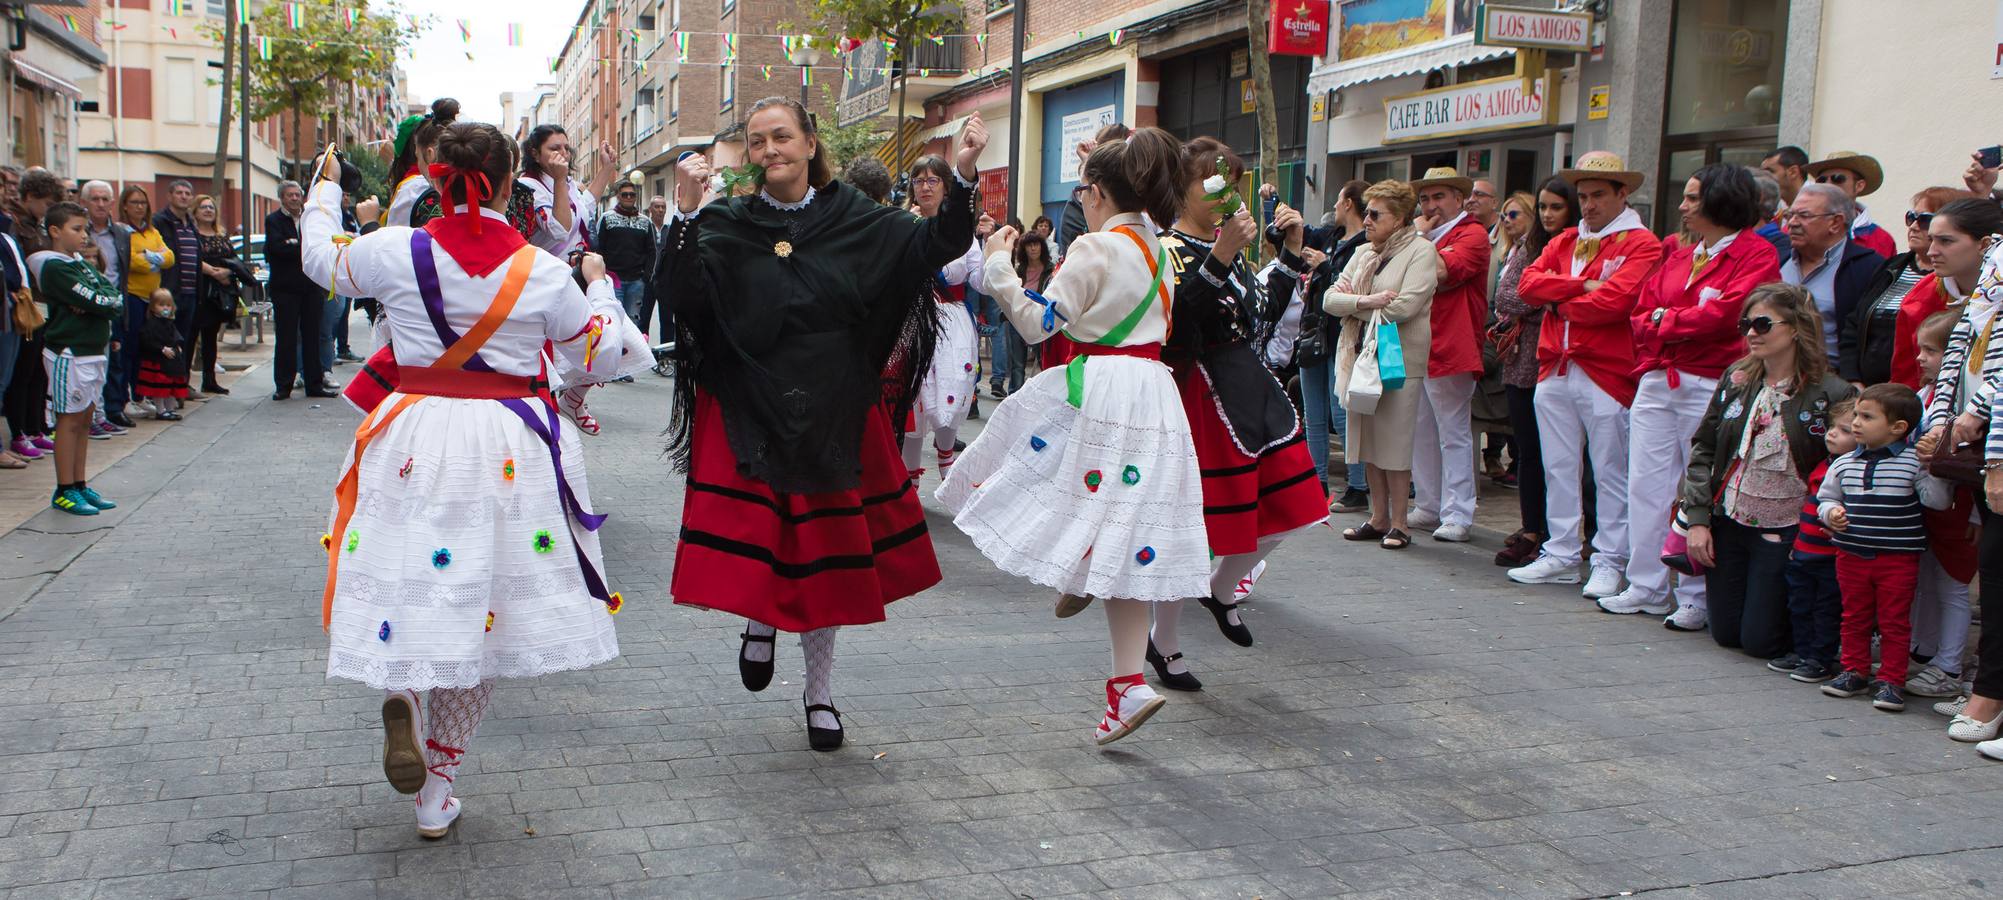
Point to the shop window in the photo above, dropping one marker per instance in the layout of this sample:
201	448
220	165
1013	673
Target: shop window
1725	65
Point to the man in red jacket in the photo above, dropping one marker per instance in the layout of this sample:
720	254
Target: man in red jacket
1858	175
1686	333
1589	277
1443	435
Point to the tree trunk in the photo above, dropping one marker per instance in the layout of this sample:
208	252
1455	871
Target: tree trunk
1256	14
216	178
298	112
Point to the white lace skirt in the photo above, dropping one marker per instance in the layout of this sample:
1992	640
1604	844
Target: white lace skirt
457	517
1103	500
947	393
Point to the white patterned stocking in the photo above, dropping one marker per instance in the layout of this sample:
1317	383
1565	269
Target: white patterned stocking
819	647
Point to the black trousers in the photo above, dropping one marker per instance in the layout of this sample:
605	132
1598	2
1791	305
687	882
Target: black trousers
1530	453
1747	589
208	327
298	329
1989	675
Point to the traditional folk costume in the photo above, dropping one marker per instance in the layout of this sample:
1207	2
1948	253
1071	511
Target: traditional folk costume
634	352
403	201
799	515
947	393
1086	479
1259	484
463	548
161	377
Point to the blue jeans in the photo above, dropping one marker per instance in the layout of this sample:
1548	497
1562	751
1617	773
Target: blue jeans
1322	415
332	311
1815	605
633	297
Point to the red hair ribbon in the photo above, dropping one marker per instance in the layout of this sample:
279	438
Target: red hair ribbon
474	183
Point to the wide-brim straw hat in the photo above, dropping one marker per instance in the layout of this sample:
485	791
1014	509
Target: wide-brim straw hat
1865	167
1444	175
1602	166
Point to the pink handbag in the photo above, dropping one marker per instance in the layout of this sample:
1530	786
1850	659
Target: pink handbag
1676	545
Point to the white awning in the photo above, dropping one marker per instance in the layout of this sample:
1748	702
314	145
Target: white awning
34	74
1456	51
947	130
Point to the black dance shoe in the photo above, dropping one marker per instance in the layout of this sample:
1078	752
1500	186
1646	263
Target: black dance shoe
1185	681
756	675
1237	634
824	739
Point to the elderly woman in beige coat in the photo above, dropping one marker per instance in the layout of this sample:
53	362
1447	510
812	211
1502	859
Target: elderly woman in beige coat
1394	274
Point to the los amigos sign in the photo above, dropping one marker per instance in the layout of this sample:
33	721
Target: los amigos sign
1478	106
1299	28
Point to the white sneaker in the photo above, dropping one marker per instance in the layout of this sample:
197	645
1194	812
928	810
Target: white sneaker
1422	521
1129	703
1631	601
1969	730
1687	618
1933	681
1991	749
1546	570
1953	707
1451	533
437	809
1604	583
1245	584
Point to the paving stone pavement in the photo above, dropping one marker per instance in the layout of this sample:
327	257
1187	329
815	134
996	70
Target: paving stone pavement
1409	725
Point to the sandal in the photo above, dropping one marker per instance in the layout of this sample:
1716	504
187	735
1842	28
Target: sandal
1396	539
1363	532
755	675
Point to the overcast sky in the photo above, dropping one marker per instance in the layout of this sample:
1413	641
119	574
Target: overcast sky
437	63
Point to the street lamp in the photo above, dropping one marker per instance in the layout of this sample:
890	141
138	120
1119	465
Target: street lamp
806	56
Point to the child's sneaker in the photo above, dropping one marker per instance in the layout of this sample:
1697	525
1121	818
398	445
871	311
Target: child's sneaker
1812	671
98	432
71	501
91	496
1846	685
1786	664
1933	682
1889	698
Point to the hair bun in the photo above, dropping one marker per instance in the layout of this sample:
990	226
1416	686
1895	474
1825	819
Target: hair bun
444	111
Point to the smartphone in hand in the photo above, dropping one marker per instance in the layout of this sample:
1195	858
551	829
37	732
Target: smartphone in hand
1992	157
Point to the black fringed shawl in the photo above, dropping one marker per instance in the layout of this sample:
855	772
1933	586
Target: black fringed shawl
796	349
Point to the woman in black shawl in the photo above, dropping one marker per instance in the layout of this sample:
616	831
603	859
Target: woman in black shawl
789	306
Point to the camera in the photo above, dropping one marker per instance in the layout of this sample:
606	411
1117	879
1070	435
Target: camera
351	177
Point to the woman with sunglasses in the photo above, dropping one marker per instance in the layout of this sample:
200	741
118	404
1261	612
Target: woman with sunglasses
1515	332
1750	460
1864	350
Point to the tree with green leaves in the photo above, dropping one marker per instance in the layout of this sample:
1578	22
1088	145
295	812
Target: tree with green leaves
903	21
848	141
374	169
306	63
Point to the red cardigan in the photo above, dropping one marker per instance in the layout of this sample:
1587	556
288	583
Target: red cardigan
1699	333
1460	303
1877	239
1926	298
1590	328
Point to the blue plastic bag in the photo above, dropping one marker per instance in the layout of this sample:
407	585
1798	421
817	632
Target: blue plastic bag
1390	354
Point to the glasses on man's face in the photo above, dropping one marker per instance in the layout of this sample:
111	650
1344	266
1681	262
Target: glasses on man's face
1793	214
1836	178
629	196
1757	324
1915	217
927	181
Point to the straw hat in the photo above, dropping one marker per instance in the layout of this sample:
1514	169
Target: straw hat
1601	165
1444	175
1862	166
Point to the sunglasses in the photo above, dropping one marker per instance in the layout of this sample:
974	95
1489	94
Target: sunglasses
1512	215
1757	325
1915	217
1837	178
1372	215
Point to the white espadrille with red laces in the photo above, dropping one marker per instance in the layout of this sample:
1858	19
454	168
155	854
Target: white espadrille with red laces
437	809
1129	703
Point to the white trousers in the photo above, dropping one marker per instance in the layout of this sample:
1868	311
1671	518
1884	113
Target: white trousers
1659	428
1575	417
1940	615
1443	451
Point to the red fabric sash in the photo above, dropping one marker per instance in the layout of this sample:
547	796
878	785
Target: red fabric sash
1143	351
465	384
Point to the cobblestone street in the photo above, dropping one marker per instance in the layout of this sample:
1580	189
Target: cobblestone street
1409	725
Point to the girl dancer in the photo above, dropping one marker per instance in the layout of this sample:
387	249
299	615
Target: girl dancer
462	549
788	305
416	138
1086	479
564	212
947	393
1258	480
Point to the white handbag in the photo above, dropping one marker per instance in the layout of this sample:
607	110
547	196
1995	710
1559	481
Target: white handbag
1364	387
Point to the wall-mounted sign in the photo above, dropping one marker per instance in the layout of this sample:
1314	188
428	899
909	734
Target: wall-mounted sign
1543	29
1597	102
1299	28
1493	104
1371	27
1318	107
1077	128
1241	62
1248	96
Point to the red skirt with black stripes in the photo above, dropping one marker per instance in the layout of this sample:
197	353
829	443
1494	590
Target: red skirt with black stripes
798	562
1246	498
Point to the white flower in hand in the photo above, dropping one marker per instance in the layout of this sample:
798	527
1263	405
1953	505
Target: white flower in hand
1213	184
716	184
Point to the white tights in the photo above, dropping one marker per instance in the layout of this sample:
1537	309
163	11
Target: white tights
451	716
1225	574
819	648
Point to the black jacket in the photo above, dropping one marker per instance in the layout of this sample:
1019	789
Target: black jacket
282	255
1716	442
1070	223
1864	349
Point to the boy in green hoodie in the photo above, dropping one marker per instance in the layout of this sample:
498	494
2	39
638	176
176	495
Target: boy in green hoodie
82	304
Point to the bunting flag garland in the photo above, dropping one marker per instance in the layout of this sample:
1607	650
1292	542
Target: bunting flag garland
177	7
243	10
351	16
413	22
889	48
295	15
730	48
765	72
514	34
681	47
264	48
1116	35
70	22
806	75
465	31
981	41
938	40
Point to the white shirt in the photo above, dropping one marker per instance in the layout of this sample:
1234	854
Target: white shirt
1102	280
404	201
552	236
1440	232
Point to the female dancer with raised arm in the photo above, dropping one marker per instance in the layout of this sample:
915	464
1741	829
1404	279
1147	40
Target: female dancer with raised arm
463	546
788	304
946	395
1085	480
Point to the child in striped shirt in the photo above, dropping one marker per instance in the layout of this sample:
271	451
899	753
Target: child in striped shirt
1813	600
1871	499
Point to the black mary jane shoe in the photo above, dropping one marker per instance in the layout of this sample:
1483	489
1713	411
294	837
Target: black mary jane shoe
1185	681
824	739
756	675
1237	634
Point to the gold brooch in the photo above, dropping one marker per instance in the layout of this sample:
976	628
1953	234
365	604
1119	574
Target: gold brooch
783	248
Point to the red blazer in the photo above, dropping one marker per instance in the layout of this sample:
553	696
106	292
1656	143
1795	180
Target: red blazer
1878	239
1460	303
1699	333
1926	298
1590	328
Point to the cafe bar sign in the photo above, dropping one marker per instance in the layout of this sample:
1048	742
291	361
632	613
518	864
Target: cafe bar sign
1535	29
1494	104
